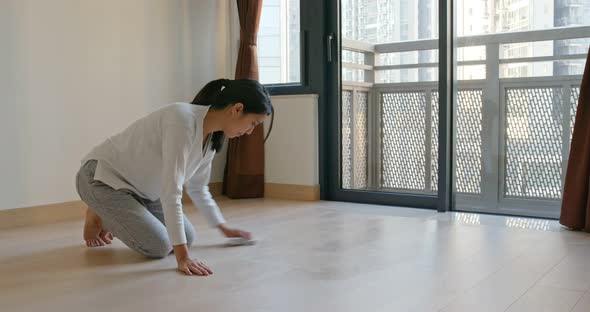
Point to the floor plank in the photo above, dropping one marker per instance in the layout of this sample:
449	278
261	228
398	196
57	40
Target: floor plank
311	256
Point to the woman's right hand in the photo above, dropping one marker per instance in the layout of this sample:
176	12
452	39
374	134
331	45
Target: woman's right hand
192	267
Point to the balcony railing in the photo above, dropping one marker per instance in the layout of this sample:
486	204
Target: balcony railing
512	135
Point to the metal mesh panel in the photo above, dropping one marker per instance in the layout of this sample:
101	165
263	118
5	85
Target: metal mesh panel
534	125
575	96
434	143
346	139
360	140
403	153
468	141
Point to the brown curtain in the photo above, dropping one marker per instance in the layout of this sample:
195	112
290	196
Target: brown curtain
575	207
244	170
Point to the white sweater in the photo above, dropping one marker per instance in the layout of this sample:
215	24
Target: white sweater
155	156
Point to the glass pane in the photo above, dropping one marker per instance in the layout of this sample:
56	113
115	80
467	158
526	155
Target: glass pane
475	53
477	17
414	57
516	102
471	72
353	57
386	111
406	75
279	55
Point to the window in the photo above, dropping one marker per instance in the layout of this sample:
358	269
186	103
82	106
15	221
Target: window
279	50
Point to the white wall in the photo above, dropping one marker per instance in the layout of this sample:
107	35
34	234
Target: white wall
291	152
73	72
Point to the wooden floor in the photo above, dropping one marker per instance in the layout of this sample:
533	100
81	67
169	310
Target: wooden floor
319	256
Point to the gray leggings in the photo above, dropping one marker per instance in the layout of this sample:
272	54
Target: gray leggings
136	221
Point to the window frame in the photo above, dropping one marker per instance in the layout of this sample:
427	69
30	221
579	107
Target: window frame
311	63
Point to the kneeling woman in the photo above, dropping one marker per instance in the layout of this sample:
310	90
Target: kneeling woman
133	181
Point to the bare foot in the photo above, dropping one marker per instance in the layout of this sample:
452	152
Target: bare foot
93	232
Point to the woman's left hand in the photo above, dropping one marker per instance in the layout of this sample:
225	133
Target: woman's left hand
230	233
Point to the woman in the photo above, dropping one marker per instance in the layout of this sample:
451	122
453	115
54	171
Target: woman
133	181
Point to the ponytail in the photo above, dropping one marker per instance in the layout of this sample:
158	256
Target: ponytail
220	93
207	97
210	92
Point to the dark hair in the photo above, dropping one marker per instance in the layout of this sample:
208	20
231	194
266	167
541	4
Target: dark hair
220	93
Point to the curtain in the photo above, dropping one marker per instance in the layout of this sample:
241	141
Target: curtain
575	206
244	171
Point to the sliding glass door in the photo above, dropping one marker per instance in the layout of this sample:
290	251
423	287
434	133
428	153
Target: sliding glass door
519	71
383	104
453	104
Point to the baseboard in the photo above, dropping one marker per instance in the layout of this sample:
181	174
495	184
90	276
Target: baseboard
74	210
42	214
292	191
